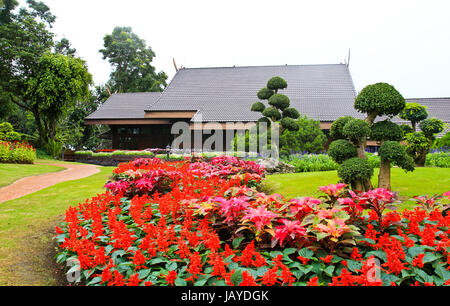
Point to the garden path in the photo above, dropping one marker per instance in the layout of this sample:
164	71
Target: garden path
32	184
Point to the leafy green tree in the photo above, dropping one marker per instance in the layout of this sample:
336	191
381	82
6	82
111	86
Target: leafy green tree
279	110
33	78
59	81
132	63
419	143
414	112
389	135
308	138
375	100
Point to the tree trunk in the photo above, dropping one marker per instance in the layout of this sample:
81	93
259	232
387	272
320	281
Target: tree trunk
37	117
384	177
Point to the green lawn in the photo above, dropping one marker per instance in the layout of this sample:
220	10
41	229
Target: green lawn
420	182
10	173
26	226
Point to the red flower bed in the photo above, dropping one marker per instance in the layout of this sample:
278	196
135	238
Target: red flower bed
198	223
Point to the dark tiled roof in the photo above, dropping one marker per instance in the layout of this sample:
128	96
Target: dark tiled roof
125	106
323	92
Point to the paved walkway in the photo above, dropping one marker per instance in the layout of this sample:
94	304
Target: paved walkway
32	184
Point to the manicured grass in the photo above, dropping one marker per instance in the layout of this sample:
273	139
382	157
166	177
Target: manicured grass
10	173
420	182
25	224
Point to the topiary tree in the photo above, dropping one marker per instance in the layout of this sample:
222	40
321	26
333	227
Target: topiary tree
355	171
350	135
375	100
389	135
279	110
414	112
420	143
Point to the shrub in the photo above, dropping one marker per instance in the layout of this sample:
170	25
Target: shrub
16	153
7	133
336	130
355	169
341	150
311	162
308	138
355	130
279	101
431	126
438	159
386	130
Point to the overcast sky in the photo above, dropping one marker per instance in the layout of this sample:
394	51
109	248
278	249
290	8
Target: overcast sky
404	43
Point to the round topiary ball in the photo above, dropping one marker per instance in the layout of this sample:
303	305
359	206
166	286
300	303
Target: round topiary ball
337	127
356	130
272	113
431	126
265	94
291	113
391	151
355	169
386	130
289	124
414	112
277	83
380	99
341	150
279	101
258	107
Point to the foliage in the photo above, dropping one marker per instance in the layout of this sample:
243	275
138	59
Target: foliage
417	146
380	99
199	231
311	162
356	130
386	130
414	112
308	138
33	79
16	152
443	142
59	82
406	129
355	169
279	111
336	130
341	150
7	132
431	126
393	151
438	159
131	59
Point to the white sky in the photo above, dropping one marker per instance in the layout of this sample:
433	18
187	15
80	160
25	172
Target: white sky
404	43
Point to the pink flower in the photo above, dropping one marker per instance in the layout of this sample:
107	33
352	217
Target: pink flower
304	205
260	216
117	187
351	203
333	190
233	208
144	184
291	229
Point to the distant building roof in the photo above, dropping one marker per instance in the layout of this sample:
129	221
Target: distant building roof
125	106
323	92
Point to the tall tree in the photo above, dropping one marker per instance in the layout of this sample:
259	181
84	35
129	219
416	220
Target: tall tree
279	110
132	63
43	83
